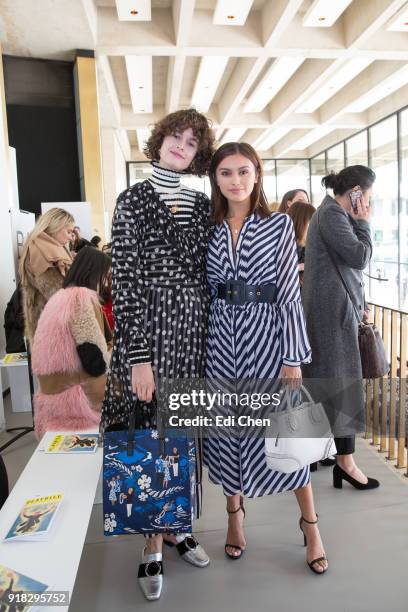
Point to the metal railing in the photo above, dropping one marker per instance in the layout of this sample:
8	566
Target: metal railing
386	397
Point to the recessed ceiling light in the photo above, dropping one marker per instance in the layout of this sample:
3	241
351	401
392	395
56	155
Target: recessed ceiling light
133	12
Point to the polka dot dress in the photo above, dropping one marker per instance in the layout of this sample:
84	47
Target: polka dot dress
160	295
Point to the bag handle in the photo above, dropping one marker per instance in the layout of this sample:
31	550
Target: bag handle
132	427
287	394
330	254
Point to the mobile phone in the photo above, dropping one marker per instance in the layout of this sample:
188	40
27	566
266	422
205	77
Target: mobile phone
355	195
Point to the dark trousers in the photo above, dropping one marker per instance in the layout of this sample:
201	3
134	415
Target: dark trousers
345	446
4	489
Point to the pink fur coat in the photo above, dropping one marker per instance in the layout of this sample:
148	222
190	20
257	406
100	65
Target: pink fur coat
69	319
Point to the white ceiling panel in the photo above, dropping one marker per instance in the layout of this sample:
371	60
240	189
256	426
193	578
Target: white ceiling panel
134	10
208	78
385	88
232	12
251	79
266	140
313	136
334	84
324	13
399	23
140	76
233	135
275	78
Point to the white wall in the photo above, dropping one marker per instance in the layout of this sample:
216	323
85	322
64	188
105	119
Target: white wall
114	170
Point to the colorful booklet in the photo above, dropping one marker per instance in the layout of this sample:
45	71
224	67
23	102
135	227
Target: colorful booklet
35	519
15	587
14	358
73	443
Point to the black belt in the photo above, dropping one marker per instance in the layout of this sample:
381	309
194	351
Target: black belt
237	293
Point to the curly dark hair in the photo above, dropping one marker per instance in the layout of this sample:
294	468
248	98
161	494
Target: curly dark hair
179	121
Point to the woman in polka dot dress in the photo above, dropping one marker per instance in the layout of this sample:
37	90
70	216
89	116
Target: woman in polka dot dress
160	232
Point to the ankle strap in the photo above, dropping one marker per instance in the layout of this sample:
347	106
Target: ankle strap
234	511
310	522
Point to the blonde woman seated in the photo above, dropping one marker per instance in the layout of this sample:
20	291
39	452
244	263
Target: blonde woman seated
70	351
44	261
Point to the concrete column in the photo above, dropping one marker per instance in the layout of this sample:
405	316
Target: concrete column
89	145
7	276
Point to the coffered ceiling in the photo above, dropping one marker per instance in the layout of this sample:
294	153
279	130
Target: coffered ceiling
289	76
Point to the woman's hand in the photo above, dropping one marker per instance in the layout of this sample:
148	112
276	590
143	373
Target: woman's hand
291	376
363	210
143	382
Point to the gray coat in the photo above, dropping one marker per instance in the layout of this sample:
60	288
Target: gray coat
331	320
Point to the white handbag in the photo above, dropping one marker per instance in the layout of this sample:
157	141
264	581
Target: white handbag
298	436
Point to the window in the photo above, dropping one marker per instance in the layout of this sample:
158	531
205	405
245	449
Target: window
318	169
357	150
384	202
292	174
403	217
269	181
335	158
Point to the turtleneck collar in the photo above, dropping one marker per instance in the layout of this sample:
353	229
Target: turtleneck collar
164	180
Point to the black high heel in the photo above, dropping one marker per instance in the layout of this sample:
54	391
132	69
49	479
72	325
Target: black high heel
235	546
327	462
323	558
339	475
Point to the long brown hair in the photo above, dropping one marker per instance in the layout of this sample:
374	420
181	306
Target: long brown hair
289	197
300	213
219	203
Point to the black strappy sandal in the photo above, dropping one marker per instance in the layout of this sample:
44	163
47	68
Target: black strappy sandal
235	546
312	563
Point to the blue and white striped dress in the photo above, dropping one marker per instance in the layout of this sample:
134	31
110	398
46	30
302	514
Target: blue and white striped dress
253	341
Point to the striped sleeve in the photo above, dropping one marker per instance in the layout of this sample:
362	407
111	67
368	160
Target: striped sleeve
128	300
295	343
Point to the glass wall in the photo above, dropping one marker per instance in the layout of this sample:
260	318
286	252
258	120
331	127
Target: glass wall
383	155
318	171
357	149
383	147
403	210
292	174
335	158
269	181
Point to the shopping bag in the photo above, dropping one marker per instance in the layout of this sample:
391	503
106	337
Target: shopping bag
149	483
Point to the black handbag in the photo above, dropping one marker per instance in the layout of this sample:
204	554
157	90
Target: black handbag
374	362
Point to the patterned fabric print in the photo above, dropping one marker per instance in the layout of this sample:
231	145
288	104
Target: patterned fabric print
253	341
143	492
159	295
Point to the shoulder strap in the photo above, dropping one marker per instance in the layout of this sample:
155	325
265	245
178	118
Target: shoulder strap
330	254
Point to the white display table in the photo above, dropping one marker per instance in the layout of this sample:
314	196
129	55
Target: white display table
20	389
56	561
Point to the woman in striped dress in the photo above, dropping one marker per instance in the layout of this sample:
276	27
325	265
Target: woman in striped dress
160	234
260	334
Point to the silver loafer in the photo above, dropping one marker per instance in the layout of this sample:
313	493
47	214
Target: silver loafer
191	551
150	575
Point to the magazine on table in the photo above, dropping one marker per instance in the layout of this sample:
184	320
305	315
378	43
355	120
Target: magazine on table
14	358
19	592
35	519
73	443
